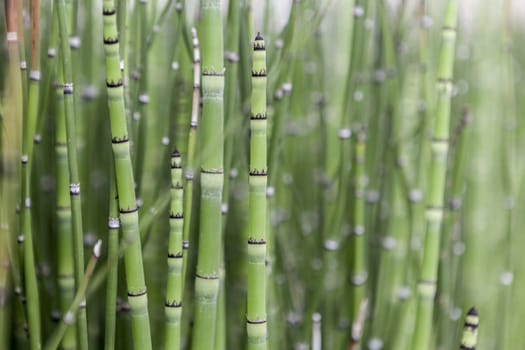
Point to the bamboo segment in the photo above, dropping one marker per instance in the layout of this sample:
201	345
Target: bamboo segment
173	306
129	219
212	176
72	158
66	278
469	340
436	185
256	298
189	164
112	282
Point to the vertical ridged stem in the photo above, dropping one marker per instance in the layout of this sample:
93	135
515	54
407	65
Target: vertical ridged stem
173	305
256	254
436	184
68	319
212	176
143	98
112	279
11	122
469	339
189	164
66	268
129	219
74	179
359	273
29	125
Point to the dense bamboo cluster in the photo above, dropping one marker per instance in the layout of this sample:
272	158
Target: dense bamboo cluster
353	180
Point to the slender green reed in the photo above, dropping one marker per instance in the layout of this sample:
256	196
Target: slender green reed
129	219
173	306
359	273
112	279
68	318
10	150
256	254
74	179
189	163
29	124
212	176
65	260
436	185
469	339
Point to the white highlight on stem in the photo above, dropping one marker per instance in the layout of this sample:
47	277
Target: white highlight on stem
74	42
68	88
34	75
97	249
375	344
69	318
331	245
389	243
114	223
358	11
316	331
344	134
74	188
12	37
144	98
506	278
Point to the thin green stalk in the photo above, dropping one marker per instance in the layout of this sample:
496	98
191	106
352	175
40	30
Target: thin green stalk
136	287
256	325
142	98
29	125
65	260
212	177
11	142
68	319
189	164
173	306
469	339
359	273
448	275
436	185
74	179
112	282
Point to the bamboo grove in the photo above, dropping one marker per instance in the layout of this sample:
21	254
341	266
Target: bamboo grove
314	174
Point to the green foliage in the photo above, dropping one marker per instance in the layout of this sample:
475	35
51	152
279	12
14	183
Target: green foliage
357	184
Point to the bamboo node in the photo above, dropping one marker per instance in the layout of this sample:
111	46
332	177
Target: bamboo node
12	37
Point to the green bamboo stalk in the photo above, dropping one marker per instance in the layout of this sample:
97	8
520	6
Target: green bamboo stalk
448	274
5	281
189	164
359	273
212	177
469	339
74	179
68	318
143	98
29	125
436	185
49	72
113	255
173	306
65	260
137	294
11	143
256	325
